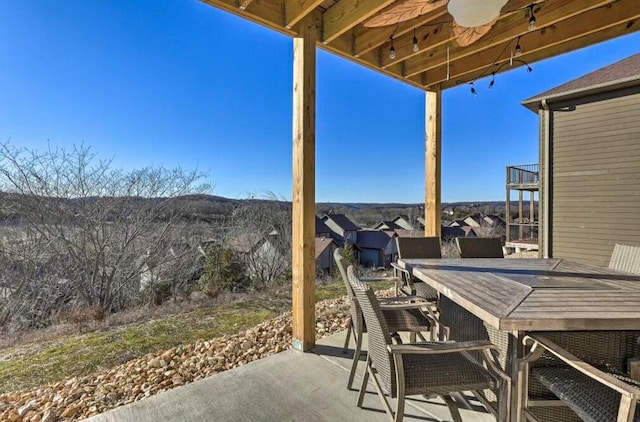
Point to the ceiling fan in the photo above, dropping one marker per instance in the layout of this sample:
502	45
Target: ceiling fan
471	18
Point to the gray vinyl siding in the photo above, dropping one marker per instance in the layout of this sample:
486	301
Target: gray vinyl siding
595	183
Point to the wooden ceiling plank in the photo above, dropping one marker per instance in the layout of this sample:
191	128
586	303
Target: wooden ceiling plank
346	14
441	33
264	12
295	10
594	38
619	18
367	39
507	29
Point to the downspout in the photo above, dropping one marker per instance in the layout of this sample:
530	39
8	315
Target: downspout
547	174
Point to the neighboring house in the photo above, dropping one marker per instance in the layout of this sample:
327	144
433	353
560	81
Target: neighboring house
180	263
420	222
451	232
473	220
458	223
386	225
324	254
322	230
404	222
590	163
343	229
409	233
377	248
494	221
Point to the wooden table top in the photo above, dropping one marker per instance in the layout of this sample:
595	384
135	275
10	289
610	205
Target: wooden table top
535	294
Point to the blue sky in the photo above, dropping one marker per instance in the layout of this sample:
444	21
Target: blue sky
179	83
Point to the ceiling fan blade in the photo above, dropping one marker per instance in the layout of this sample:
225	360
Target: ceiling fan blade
467	36
403	11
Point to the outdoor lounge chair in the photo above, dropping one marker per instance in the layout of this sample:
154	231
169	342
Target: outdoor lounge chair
416	248
439	368
626	259
479	247
403	314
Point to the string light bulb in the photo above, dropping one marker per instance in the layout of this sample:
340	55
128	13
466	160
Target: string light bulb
473	88
415	47
493	80
532	18
518	50
392	50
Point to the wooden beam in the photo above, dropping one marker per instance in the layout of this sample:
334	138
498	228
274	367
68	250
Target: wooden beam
599	25
295	10
433	155
265	12
303	230
346	14
507	29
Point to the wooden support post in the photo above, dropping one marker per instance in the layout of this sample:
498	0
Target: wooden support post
520	214
303	269
507	210
433	155
532	216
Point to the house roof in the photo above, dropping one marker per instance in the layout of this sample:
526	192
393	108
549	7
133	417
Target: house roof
453	232
342	221
391	225
625	72
373	239
322	243
409	233
321	227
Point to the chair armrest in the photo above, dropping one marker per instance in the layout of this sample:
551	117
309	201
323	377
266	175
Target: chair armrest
573	361
402	299
415	305
439	348
399	268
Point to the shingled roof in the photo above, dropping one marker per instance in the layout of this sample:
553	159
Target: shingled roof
625	72
342	221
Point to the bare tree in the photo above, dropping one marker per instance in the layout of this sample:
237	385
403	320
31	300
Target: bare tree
84	229
262	230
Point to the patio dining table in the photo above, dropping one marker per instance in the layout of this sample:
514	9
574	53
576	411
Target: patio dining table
512	297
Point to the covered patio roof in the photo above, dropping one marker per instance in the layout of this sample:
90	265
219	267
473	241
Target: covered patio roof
419	43
352	29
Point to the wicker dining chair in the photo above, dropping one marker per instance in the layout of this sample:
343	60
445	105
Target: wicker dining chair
431	368
416	248
479	247
404	314
625	258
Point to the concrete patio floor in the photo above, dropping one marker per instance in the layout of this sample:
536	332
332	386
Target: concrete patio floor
289	386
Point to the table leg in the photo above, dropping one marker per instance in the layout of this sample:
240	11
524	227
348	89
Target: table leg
517	379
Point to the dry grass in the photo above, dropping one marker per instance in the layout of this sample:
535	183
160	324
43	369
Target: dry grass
53	358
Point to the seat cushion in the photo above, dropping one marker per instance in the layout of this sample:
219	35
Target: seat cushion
588	398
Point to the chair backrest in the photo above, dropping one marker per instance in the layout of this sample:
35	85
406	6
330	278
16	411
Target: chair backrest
379	336
418	247
625	258
479	247
354	307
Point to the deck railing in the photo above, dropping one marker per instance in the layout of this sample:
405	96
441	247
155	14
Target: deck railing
524	174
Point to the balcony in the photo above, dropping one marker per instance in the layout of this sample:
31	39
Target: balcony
524	176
